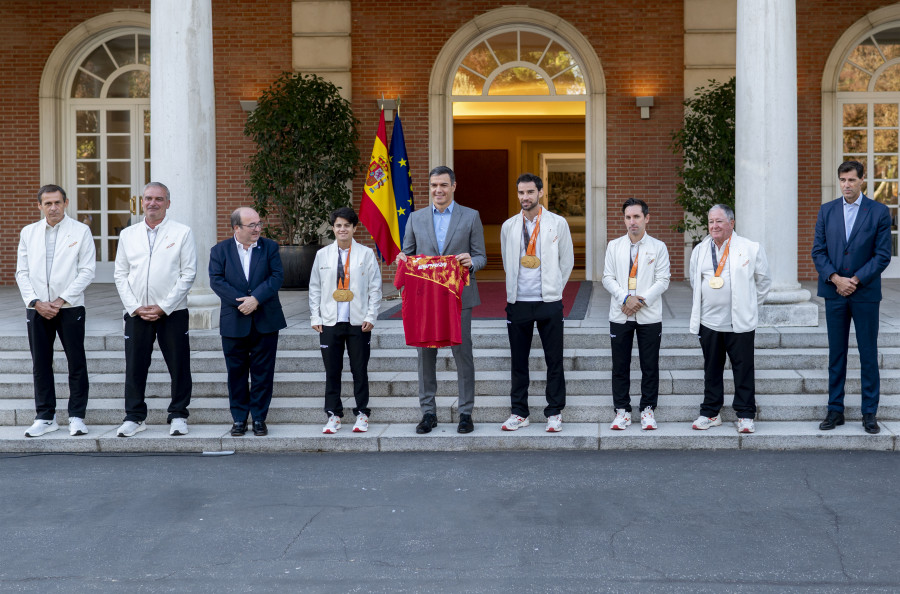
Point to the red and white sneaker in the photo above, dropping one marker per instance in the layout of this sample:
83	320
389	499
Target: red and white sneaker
332	426
362	423
648	421
515	422
554	423
622	420
746	426
703	423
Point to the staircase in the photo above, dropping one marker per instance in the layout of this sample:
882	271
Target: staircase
791	386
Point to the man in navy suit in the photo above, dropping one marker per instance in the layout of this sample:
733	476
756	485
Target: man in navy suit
245	272
852	248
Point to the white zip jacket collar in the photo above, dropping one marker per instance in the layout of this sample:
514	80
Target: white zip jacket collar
162	277
557	255
750	281
74	262
365	283
652	277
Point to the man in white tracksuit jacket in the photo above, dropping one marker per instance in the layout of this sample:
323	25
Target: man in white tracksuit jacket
636	274
538	258
156	263
55	264
730	280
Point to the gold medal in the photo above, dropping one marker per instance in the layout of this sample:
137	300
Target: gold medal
342	295
716	282
531	261
632	284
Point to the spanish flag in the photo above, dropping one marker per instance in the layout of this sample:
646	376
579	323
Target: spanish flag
378	209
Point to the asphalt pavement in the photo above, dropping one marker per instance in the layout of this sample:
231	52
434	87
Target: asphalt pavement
659	521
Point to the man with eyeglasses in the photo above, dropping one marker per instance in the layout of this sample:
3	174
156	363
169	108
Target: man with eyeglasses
245	271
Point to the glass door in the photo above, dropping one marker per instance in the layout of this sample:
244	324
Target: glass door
870	134
111	146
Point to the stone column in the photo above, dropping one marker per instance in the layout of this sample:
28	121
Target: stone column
766	151
183	131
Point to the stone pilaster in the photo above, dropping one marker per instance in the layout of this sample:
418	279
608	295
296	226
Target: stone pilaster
766	151
183	129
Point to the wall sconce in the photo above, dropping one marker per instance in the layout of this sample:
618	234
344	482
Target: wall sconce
248	106
388	105
645	103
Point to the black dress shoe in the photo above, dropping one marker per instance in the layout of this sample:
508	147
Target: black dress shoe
465	424
238	429
260	429
428	422
870	424
832	420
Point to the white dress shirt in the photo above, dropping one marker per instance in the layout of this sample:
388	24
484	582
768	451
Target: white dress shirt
245	255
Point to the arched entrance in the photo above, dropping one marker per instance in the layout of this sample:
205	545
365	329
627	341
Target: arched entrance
861	112
512	68
95	125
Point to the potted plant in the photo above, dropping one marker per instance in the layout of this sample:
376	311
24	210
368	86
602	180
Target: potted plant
706	143
306	157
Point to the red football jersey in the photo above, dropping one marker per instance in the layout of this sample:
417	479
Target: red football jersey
432	300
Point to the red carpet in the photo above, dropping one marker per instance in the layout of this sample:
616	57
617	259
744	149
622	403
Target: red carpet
576	296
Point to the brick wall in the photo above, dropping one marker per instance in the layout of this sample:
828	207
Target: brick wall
251	44
823	23
640	48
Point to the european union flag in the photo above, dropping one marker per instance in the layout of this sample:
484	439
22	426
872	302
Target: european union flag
401	178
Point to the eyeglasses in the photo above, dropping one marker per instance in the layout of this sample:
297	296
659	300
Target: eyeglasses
251	225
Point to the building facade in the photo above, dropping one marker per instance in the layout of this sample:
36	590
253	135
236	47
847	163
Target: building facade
492	88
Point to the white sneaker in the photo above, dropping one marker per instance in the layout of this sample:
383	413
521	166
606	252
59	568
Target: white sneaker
515	422
554	424
703	423
77	426
178	427
40	427
746	426
622	420
362	423
333	424
129	428
648	421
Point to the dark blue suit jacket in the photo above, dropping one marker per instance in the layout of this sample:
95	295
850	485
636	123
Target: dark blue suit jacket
865	254
226	278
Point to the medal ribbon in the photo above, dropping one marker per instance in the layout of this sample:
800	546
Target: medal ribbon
724	257
532	241
344	279
633	273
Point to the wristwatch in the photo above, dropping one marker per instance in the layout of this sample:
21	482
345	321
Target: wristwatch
33	301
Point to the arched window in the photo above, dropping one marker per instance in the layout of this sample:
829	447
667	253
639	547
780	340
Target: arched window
518	62
868	101
109	136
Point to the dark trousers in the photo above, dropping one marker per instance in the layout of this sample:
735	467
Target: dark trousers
332	341
69	325
521	318
838	313
171	332
621	339
739	348
250	356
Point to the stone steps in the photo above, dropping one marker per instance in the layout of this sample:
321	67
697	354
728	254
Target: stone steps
487	383
488	336
486	437
105	362
680	408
